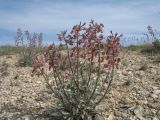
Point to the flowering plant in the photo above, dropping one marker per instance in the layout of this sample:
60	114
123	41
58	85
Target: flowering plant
78	83
29	46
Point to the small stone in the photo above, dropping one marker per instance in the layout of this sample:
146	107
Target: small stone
158	114
155	88
99	117
154	105
26	117
154	111
156	92
139	113
140	73
111	116
155	118
124	73
154	96
121	114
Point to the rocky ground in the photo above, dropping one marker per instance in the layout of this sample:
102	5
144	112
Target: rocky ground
135	93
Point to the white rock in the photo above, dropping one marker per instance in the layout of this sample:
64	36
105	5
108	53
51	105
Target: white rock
111	116
155	118
155	88
26	117
156	92
154	96
139	113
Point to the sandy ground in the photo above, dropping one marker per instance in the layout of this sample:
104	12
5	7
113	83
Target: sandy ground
135	93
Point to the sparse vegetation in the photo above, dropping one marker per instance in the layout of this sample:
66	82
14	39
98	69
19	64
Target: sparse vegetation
79	75
4	69
124	62
156	45
30	45
77	89
143	66
9	50
137	47
153	45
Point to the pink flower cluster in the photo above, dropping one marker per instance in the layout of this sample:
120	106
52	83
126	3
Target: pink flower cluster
83	43
19	37
32	41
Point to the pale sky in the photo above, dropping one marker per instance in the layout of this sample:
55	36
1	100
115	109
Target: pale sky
127	17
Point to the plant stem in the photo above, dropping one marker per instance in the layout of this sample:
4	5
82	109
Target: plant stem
62	86
77	67
98	73
90	70
109	84
46	79
70	65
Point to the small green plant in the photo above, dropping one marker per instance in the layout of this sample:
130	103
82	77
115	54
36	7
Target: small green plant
78	84
143	66
157	76
157	59
153	45
148	49
156	44
26	59
9	50
4	69
2	52
124	62
29	47
135	47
